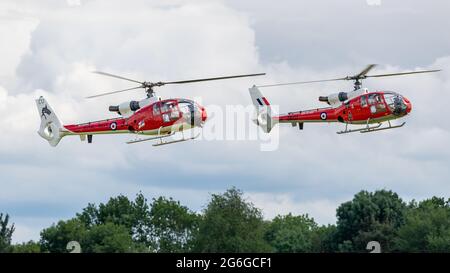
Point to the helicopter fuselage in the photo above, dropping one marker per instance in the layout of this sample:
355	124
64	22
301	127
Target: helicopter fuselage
157	118
366	108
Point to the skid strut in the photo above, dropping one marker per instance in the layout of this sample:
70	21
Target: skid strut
175	141
161	137
149	138
384	128
368	128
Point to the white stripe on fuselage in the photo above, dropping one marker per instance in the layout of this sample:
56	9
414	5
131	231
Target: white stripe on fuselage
162	130
374	120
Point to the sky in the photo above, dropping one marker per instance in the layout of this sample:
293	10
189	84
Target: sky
50	48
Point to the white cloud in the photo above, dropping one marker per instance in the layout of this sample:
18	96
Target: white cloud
16	32
28	228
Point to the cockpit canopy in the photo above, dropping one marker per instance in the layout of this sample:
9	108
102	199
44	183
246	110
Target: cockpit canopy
171	110
396	103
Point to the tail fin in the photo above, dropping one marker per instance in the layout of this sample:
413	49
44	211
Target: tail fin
51	128
263	110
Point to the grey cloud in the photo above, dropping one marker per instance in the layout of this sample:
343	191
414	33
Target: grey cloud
326	33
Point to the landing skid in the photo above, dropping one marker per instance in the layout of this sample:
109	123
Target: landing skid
137	140
161	139
175	141
368	129
384	128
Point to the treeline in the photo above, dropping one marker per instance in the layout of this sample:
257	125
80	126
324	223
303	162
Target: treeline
229	223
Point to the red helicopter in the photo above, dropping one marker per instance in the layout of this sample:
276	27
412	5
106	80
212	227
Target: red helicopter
359	107
150	116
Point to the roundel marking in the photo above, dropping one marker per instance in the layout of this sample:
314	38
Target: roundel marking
323	116
113	126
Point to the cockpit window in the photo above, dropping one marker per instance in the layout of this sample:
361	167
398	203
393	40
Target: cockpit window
390	98
395	103
167	106
170	111
156	109
364	101
374	99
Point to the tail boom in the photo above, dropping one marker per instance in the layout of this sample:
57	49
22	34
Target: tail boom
107	126
314	115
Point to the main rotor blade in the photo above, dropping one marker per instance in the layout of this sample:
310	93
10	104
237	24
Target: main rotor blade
113	92
292	83
115	76
214	79
402	73
365	71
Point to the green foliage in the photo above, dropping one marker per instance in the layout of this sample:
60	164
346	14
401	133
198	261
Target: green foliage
426	228
56	237
141	229
108	238
324	239
6	233
134	216
291	233
230	224
121	225
173	225
346	246
369	217
28	247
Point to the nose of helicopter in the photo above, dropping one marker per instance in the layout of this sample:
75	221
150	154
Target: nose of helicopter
204	115
408	105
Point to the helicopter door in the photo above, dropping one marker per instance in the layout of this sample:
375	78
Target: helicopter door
157	111
360	109
169	111
348	109
376	104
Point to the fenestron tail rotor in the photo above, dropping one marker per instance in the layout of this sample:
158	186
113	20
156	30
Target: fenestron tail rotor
148	86
356	78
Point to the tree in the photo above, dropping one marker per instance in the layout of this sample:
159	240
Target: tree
291	233
426	228
6	233
167	227
324	239
173	226
56	237
28	247
230	224
369	217
108	238
133	215
142	224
